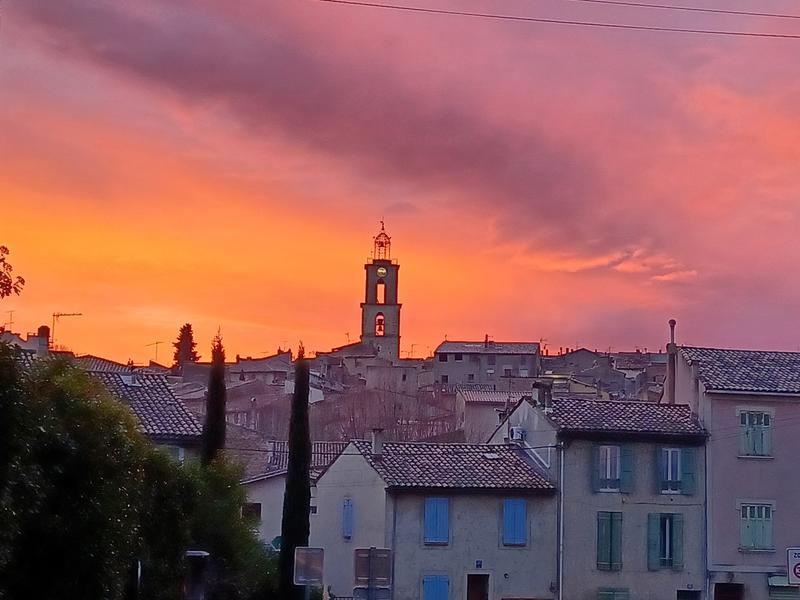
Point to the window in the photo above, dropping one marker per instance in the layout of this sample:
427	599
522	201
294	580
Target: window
515	523
491	359
458	356
437	523
755	433
442	357
607	468
380	324
445	379
756	527
613	594
251	511
435	587
347	518
404	377
609	541
676	470
380	292
664	541
507	372
471	377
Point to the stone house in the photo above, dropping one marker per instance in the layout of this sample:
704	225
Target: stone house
462	520
485	362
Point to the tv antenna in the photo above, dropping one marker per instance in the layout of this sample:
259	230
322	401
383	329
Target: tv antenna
56	317
156	344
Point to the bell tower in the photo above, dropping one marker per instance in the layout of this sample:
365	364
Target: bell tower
380	311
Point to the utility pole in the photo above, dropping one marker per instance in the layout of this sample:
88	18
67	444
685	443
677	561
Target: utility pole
156	345
56	317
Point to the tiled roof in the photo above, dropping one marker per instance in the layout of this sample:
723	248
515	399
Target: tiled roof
491	397
24	357
275	459
161	415
746	370
95	363
490	348
637	417
409	465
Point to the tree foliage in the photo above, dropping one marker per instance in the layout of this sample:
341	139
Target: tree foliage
8	283
185	347
297	496
83	496
214	426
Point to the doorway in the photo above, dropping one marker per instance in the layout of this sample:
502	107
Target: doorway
477	587
728	591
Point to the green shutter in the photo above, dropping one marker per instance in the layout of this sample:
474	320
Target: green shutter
616	541
677	542
594	468
605	594
745	531
653	541
658	470
604	541
688	479
626	469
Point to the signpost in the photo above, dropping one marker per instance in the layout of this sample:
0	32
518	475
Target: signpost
793	565
308	566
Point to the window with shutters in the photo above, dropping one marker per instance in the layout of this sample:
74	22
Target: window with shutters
755	433
664	541
436	521
435	587
609	541
670	470
755	532
613	594
347	518
609	473
515	526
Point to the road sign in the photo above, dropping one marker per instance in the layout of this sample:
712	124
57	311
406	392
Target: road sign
276	542
308	565
793	565
373	567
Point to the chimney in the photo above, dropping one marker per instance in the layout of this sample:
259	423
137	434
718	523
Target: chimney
377	443
672	361
43	333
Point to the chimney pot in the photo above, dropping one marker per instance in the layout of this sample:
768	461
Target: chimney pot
377	442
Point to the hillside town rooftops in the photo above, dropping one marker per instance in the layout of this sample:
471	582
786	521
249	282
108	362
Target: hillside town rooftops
161	415
581	415
493	397
488	348
477	467
756	371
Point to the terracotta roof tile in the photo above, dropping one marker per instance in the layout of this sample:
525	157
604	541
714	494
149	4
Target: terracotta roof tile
746	370
491	348
454	466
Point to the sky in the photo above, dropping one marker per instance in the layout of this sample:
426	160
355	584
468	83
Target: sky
227	164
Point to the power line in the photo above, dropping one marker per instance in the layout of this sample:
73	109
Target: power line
701	9
460	13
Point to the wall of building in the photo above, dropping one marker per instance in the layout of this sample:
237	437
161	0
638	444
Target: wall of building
582	579
487	368
350	476
475	535
269	493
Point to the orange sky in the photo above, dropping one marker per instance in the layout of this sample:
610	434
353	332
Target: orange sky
227	165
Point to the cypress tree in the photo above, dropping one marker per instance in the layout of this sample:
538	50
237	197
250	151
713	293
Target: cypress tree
214	426
297	496
185	347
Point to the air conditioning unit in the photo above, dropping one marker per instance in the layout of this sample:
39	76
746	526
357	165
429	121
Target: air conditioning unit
518	433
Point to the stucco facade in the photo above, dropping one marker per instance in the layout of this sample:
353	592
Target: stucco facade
268	493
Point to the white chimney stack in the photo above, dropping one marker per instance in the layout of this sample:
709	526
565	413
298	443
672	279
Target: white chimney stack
377	443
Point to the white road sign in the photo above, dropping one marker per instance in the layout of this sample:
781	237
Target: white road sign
793	565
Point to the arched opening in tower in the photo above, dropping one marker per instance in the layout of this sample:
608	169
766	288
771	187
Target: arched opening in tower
380	292
379	324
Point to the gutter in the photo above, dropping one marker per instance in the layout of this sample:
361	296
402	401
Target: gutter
560	557
752	393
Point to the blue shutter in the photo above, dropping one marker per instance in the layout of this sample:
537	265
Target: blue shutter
514	522
626	469
654	541
347	518
688	478
435	587
604	541
677	542
437	522
594	468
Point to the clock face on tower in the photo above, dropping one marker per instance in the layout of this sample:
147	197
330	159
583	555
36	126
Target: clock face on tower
381	271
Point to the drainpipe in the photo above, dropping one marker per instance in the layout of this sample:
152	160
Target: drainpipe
672	360
561	521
